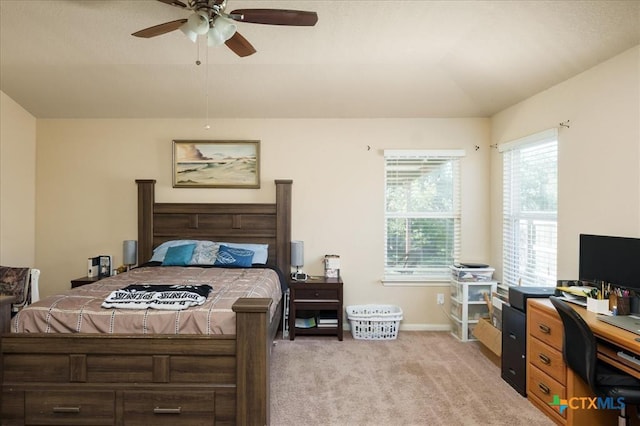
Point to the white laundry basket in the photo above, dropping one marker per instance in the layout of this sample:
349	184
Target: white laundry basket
374	322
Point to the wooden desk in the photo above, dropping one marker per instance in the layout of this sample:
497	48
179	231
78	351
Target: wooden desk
547	375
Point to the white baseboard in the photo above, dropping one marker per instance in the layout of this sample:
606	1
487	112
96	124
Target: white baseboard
425	327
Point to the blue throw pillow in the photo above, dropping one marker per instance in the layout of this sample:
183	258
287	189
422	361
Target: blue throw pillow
179	255
260	251
161	251
231	256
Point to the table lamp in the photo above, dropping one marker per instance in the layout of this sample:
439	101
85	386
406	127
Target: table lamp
130	253
297	260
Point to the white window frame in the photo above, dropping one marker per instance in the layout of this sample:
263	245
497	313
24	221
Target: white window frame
441	273
529	238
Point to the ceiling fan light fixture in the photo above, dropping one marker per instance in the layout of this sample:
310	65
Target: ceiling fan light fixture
225	27
214	38
198	23
221	31
187	31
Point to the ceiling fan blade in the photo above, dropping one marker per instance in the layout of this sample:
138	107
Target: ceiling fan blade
240	45
157	30
276	17
176	3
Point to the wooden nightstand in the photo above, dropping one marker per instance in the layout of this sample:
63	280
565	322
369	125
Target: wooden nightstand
317	298
84	280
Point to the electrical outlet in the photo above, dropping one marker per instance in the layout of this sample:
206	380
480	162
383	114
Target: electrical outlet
440	299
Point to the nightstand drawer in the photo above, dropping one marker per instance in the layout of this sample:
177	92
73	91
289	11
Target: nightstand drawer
316	294
67	408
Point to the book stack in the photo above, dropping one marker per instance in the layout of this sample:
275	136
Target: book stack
305	322
327	319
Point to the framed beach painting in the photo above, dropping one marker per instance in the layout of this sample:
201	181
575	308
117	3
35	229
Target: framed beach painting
216	164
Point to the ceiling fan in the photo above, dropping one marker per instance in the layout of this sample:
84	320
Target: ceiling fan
209	18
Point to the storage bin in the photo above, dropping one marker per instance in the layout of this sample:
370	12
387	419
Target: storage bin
374	322
456	309
478	292
456	291
477	311
471	274
458	330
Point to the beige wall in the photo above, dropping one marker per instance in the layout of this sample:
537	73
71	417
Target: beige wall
87	196
17	184
598	157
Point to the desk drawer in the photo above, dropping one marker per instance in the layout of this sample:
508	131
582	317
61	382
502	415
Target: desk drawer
171	407
69	408
546	328
548	360
544	387
316	294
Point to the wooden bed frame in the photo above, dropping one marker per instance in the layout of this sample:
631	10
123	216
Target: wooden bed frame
91	379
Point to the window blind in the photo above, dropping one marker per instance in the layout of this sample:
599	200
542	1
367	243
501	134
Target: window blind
422	213
530	204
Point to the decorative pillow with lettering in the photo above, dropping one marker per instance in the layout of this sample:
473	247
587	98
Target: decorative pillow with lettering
232	256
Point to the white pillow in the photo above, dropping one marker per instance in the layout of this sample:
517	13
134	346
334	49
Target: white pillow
205	253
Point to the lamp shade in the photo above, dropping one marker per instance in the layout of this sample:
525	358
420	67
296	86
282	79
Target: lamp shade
187	31
221	31
199	23
297	253
130	252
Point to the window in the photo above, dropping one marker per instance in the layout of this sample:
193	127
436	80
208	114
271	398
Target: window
422	214
530	205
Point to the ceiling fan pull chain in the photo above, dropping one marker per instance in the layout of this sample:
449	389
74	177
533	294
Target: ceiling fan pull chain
206	89
198	54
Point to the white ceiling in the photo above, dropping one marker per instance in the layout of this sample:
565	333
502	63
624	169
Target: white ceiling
77	59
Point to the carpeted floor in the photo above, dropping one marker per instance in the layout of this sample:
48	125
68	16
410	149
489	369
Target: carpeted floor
421	378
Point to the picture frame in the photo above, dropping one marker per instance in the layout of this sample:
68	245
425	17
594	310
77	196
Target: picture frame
216	164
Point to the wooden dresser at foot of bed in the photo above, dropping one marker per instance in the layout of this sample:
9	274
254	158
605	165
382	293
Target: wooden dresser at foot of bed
102	389
103	407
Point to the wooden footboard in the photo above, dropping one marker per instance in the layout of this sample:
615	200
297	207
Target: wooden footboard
69	379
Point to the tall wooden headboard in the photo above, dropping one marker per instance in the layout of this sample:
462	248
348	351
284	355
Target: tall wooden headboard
266	223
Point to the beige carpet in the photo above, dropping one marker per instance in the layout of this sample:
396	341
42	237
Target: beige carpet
421	378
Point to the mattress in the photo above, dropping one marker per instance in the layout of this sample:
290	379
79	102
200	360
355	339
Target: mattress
80	310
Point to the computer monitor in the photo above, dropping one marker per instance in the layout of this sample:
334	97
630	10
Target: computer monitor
610	259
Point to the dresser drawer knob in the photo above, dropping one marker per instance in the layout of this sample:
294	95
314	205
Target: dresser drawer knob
317	294
544	388
544	328
544	359
66	410
159	410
